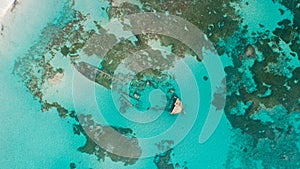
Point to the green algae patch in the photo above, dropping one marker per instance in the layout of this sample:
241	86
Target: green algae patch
65	50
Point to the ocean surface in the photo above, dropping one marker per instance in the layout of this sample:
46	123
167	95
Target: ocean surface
31	138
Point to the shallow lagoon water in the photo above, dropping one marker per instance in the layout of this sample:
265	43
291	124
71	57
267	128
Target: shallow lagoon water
30	138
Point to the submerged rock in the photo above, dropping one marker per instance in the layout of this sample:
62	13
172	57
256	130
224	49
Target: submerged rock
250	51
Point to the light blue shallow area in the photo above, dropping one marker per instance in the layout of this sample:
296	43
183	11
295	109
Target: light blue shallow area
31	139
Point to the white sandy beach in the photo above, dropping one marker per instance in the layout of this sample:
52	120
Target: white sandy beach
4	6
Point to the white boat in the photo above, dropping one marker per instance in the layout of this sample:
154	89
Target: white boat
178	108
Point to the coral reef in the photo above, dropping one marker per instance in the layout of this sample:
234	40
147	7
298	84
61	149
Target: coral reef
164	160
263	115
263	83
106	141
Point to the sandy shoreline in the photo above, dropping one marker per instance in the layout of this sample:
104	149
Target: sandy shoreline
5	6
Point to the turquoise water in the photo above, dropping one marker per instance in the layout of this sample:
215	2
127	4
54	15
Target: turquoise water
204	135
